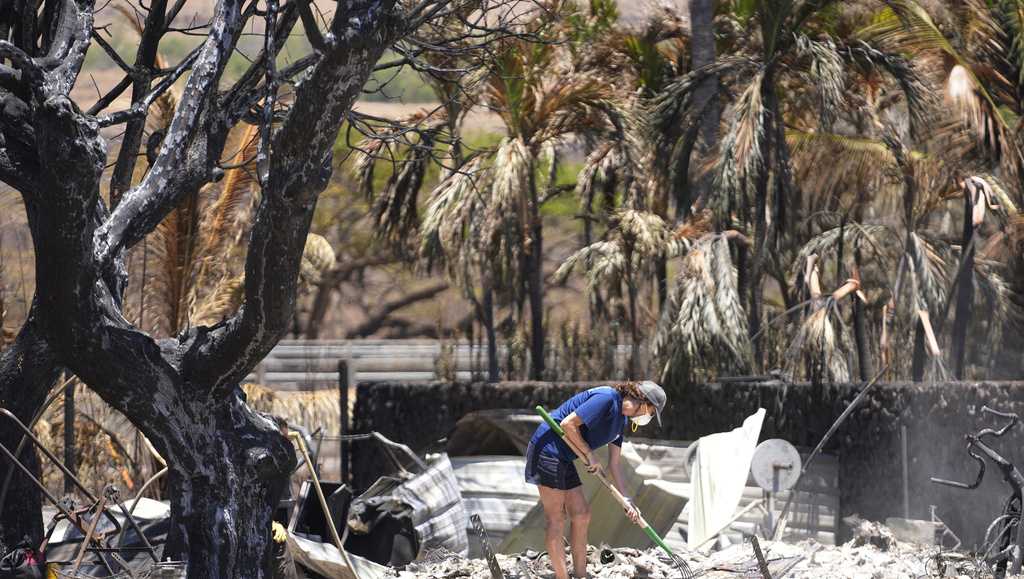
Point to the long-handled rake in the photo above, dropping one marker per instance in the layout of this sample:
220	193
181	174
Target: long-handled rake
684	569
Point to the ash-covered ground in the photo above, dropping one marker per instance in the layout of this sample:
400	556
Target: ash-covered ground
855	560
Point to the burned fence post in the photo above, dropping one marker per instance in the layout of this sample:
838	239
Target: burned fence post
346	379
762	565
69	435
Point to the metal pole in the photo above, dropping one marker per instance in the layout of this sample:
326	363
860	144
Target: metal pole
69	435
781	520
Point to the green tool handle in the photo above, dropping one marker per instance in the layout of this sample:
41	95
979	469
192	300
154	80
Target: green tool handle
557	428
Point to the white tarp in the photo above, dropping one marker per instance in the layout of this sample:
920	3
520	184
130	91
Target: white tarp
719	475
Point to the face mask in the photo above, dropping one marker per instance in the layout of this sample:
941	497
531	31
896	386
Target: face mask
642	420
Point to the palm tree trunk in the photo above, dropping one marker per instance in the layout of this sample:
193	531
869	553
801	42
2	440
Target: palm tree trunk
917	365
860	330
965	289
761	235
702	14
318	311
488	323
634	327
535	280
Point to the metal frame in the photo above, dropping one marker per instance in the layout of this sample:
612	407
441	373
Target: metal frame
76	516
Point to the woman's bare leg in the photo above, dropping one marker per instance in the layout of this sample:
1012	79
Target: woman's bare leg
579	519
554	512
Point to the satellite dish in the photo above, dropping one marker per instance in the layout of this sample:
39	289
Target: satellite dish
776	465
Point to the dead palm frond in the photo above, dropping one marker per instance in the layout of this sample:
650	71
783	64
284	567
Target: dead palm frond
238	195
395	209
821	350
317	259
826	72
176	238
741	150
317	409
702	331
635	240
449	220
930	260
877	240
221	302
980	81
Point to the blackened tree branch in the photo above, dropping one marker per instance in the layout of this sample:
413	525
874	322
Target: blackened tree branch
145	59
145	206
298	171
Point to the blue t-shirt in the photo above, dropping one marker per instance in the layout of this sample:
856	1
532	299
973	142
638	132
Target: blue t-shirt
600	409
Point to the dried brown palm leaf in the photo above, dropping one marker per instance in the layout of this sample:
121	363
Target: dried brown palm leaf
220	303
237	193
508	203
314	409
317	259
879	240
702	331
695	226
225	220
741	146
930	262
820	352
174	265
396	208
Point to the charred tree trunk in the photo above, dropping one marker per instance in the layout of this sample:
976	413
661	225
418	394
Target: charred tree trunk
224	482
227	463
28	371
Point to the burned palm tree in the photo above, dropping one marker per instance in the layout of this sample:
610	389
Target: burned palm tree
821	351
635	242
701	334
791	70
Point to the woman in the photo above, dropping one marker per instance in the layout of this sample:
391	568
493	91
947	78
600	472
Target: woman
590	419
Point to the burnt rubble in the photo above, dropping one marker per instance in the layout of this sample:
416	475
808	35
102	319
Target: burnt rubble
804	560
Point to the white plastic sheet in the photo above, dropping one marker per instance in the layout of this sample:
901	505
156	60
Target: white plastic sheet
719	474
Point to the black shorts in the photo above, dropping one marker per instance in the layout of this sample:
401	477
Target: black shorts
550	471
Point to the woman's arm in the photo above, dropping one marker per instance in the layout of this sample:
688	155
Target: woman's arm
615	468
571	425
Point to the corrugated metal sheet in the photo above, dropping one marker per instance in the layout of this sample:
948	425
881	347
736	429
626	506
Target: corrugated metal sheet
438	512
494	488
437	509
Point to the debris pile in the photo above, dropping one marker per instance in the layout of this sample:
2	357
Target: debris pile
871	533
804	560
